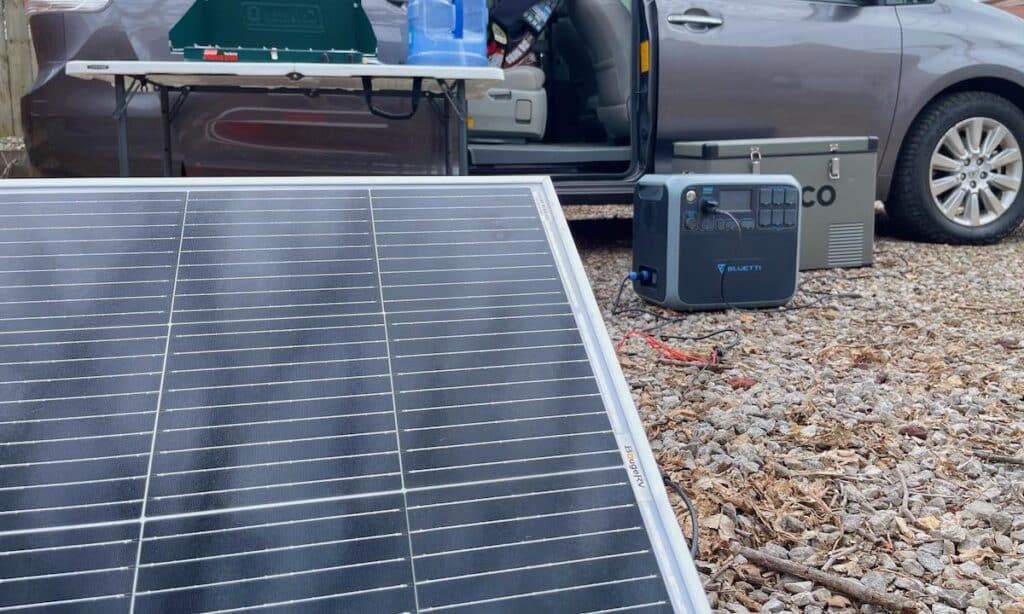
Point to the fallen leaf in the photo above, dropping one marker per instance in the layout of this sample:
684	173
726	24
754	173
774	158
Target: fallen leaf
723	524
904	529
741	382
850	568
975	554
740	439
912	430
679	414
838	601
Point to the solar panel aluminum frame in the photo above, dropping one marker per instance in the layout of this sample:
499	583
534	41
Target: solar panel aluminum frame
677	569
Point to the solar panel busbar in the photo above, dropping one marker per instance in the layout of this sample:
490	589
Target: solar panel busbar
387	395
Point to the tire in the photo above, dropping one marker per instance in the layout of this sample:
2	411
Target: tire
917	213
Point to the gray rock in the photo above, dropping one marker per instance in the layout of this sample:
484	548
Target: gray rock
776	550
802	600
981	509
908	584
973	468
802	554
813	609
1001	521
937	547
957	599
939	608
882	520
877	580
1003	544
930	561
976	538
791	523
756	432
970	568
799	587
981	598
913	568
748	452
822	595
977	611
773	606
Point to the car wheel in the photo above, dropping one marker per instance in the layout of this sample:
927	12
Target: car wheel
958	179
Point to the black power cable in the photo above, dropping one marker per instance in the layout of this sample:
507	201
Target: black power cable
663	321
695	526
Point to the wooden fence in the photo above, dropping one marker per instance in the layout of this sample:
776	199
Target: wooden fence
17	66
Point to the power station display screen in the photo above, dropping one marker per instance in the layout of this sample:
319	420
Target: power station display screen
734	200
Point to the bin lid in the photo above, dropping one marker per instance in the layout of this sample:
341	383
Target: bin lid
799	146
275	31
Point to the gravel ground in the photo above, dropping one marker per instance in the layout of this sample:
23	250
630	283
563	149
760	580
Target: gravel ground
878	438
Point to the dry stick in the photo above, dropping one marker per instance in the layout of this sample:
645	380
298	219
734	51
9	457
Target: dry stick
998	458
1007	312
846	586
904	504
838	554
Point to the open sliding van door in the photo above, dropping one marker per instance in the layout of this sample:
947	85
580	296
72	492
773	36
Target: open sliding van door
774	68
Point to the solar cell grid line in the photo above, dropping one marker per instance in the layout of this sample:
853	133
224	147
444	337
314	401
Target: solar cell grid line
457	362
389	395
83	327
278	391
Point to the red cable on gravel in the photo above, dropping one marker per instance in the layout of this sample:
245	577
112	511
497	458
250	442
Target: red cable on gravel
668	352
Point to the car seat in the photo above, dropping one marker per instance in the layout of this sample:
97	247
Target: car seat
517	110
606	28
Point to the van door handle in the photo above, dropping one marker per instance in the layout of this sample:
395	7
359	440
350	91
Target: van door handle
698	21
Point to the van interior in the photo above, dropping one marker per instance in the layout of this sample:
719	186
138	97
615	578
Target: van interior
571	114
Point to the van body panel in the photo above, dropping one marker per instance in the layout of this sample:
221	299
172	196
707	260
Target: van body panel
774	69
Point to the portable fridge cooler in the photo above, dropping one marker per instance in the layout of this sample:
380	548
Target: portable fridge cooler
838	176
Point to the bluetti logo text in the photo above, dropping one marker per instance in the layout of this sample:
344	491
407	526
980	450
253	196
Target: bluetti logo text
739	268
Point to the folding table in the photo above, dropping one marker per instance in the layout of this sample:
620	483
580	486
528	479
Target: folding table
452	85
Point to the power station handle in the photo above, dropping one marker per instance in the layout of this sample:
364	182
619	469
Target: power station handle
417	94
460	17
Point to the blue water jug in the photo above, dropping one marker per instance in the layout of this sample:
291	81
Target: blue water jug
448	32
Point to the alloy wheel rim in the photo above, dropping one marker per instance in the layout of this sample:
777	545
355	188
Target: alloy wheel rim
976	171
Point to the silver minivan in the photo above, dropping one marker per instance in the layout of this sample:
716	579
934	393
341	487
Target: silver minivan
939	82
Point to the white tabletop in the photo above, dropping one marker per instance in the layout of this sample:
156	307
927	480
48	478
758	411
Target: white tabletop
275	75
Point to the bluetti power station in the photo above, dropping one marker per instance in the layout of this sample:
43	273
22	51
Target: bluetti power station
706	242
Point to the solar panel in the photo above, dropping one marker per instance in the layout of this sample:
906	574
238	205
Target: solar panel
299	395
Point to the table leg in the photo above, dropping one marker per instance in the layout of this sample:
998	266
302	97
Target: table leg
446	118
165	118
462	116
121	111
